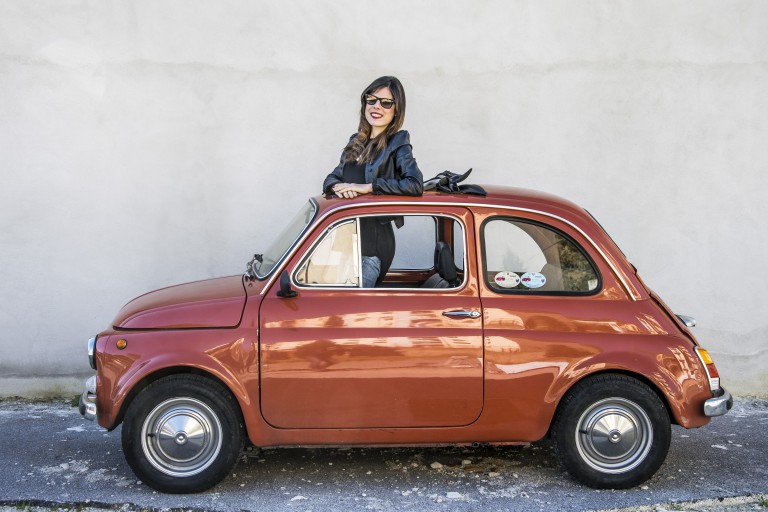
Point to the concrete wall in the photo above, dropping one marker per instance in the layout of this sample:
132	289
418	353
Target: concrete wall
147	143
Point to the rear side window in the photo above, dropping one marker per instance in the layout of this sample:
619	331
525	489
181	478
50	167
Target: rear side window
526	257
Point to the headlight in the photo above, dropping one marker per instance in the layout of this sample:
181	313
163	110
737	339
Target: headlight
92	352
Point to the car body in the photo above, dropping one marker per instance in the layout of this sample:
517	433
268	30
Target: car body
503	318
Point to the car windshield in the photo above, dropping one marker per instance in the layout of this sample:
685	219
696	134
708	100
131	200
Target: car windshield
264	264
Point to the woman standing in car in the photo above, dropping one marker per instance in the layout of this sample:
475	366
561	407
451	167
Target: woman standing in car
377	160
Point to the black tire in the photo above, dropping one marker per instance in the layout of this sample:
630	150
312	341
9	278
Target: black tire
611	432
183	434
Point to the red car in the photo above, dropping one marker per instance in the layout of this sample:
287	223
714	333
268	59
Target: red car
502	319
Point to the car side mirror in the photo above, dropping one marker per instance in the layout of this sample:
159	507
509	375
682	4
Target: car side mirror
286	292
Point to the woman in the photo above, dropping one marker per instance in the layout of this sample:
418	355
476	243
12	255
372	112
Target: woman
377	160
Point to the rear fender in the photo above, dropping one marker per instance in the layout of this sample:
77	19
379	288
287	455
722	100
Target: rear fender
673	372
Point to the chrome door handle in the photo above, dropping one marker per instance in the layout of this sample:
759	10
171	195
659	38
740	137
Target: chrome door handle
464	313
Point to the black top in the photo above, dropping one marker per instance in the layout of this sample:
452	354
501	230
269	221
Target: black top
377	237
354	172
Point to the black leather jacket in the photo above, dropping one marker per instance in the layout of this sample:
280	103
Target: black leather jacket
394	171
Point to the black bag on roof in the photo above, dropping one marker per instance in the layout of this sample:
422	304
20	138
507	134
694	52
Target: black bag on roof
448	182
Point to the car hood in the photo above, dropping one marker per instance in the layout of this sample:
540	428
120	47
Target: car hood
202	304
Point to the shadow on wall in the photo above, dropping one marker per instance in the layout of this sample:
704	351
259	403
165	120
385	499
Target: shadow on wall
742	360
744	374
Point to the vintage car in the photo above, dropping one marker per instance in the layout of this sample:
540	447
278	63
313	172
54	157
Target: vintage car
502	319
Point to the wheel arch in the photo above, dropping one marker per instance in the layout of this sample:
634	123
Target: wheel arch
614	371
161	373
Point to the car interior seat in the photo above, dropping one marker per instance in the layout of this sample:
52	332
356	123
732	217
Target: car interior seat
446	275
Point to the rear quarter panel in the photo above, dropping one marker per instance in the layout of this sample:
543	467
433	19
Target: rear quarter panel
538	346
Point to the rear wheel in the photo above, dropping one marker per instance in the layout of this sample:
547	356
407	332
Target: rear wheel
611	432
182	434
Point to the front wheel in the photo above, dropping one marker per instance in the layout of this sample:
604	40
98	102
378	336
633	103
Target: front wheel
611	432
182	434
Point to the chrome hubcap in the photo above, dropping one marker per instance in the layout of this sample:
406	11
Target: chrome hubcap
614	435
181	437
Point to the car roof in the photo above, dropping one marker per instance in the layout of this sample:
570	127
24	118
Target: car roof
503	196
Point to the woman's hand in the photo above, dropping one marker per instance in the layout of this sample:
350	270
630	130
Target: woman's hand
352	190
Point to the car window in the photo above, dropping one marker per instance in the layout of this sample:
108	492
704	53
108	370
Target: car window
334	261
458	246
415	243
338	258
286	238
528	257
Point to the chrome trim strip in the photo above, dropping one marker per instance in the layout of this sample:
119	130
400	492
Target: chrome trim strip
299	242
358	256
92	352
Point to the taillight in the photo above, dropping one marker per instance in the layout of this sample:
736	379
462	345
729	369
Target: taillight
710	368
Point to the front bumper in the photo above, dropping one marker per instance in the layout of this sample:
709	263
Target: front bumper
88	400
719	404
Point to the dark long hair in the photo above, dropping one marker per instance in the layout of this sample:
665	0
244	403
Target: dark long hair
359	148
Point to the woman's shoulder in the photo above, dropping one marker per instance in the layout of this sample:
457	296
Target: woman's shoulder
400	138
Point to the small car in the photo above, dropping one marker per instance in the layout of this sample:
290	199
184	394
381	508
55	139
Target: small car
503	318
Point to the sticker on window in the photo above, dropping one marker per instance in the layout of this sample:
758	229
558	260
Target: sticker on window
533	280
507	279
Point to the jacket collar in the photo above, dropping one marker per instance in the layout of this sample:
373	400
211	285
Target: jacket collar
399	139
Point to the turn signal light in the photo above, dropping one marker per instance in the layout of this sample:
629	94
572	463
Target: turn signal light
710	368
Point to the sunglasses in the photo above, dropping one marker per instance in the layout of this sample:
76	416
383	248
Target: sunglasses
385	103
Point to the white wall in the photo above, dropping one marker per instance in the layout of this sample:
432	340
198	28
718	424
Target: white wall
147	143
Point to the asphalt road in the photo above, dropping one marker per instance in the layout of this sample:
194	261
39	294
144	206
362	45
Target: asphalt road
52	457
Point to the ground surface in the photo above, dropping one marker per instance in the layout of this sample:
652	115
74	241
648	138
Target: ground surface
54	459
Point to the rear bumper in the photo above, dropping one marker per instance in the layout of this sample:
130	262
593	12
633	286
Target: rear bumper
87	405
718	405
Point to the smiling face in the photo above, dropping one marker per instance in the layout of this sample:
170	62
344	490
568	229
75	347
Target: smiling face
376	115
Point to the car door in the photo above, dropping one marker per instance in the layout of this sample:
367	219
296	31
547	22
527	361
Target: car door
336	355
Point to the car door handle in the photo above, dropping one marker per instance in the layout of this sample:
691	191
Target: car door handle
464	313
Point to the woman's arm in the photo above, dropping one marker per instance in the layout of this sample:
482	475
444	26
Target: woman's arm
333	179
336	176
352	190
334	184
407	179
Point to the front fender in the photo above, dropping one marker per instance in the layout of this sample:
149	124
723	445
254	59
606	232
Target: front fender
226	355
